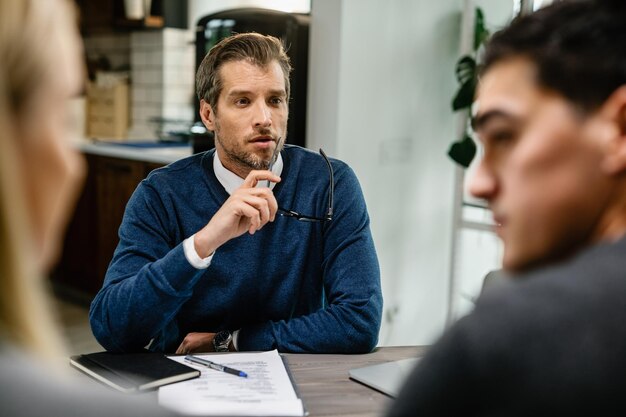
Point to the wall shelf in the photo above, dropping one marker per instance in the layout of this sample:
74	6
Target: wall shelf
149	22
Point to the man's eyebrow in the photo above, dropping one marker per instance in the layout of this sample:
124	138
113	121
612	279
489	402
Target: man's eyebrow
480	120
279	92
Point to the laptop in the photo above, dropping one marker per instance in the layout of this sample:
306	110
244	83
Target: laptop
387	377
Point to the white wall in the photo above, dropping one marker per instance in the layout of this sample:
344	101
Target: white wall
381	80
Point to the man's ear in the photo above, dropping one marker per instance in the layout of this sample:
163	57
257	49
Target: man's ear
207	115
613	113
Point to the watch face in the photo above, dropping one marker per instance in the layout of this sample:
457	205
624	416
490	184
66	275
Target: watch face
222	340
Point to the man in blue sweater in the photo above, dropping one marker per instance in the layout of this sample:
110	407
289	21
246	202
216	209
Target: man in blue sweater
211	258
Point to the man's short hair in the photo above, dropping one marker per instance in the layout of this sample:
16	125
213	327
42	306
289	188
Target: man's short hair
578	48
255	48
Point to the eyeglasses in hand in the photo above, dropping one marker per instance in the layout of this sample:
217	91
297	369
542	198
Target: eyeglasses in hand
329	212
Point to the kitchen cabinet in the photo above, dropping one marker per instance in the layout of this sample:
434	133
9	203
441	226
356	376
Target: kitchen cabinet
92	233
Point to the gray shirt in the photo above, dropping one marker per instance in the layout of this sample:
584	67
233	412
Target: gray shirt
551	342
30	388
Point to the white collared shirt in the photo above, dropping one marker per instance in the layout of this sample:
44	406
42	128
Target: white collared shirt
231	181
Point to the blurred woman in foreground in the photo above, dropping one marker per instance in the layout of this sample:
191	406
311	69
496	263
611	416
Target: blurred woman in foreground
40	175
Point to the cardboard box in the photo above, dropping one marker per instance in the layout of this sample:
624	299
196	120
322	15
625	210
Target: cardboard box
107	111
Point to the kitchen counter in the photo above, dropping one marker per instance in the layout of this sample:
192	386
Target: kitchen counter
114	171
159	153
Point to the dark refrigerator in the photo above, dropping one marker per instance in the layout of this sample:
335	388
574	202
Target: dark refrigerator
291	28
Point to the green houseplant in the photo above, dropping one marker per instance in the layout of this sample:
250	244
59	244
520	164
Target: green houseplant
463	150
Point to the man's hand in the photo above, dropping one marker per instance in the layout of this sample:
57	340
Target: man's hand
248	209
196	342
199	342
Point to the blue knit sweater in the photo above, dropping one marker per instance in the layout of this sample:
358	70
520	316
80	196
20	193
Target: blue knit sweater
292	286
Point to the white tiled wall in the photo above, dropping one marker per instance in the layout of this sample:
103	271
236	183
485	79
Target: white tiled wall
162	73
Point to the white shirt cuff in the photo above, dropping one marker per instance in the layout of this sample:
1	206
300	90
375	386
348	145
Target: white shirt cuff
192	256
236	339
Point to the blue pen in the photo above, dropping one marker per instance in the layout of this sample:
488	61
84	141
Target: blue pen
216	366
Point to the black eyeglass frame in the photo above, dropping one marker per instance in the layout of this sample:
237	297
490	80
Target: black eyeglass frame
331	192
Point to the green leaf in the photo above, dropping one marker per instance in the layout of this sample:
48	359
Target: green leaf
465	96
480	31
463	151
466	75
465	69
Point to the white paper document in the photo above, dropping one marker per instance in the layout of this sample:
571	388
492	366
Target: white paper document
267	391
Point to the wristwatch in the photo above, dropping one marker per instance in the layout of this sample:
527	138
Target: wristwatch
222	340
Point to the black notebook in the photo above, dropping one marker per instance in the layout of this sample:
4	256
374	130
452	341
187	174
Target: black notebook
131	372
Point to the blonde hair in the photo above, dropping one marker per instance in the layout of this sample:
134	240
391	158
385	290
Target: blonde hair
25	26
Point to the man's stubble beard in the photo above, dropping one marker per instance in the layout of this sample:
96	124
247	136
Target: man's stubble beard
232	148
244	160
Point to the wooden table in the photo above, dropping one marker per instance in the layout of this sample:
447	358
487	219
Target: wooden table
326	389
